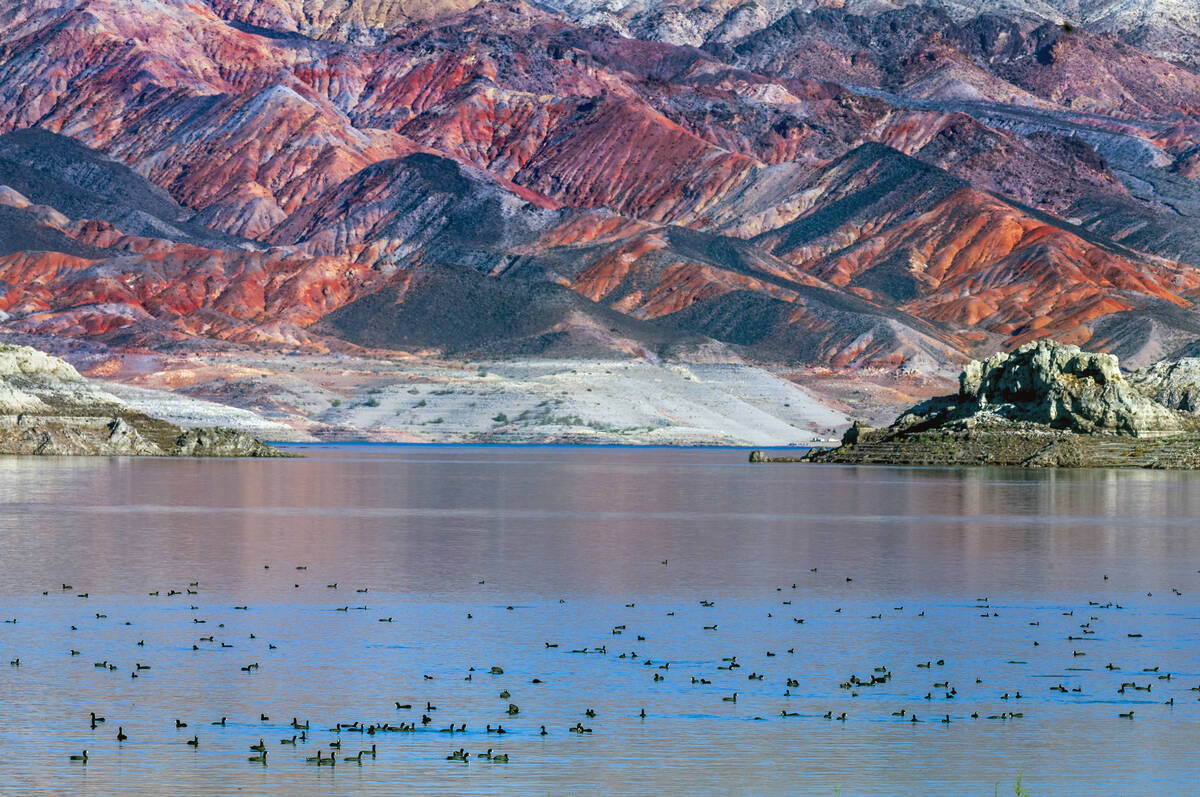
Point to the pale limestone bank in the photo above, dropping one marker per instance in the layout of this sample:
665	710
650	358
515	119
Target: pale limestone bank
516	400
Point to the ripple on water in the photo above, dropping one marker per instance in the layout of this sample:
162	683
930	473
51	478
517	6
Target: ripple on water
570	538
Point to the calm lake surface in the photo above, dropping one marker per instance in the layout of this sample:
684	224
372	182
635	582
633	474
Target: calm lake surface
487	557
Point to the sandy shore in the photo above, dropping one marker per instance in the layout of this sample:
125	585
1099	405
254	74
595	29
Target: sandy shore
191	413
337	397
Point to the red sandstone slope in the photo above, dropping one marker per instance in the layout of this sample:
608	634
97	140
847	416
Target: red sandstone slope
422	214
1102	74
215	115
335	19
896	231
245	128
312	153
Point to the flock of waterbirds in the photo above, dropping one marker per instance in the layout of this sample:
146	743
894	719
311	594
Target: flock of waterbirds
1069	638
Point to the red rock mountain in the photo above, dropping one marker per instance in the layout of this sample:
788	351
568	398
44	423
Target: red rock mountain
807	184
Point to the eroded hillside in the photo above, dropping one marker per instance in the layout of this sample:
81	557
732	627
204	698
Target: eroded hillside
810	185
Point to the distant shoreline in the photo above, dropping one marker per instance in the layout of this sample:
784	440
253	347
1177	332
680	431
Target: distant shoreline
635	446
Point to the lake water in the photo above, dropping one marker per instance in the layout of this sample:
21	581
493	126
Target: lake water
482	557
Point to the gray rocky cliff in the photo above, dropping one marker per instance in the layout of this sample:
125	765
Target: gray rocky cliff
1061	387
1174	384
1044	405
47	408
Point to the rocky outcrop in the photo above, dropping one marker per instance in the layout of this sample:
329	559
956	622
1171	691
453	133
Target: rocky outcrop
1173	384
758	457
220	443
1045	383
1043	405
47	408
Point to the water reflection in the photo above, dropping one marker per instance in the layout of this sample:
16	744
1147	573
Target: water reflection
422	527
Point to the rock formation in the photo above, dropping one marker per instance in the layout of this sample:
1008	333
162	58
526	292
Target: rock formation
1172	384
1044	383
1042	405
47	408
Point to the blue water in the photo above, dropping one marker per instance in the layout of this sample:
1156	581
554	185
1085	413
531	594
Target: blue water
949	565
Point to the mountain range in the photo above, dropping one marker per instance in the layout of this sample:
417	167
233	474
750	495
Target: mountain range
842	184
